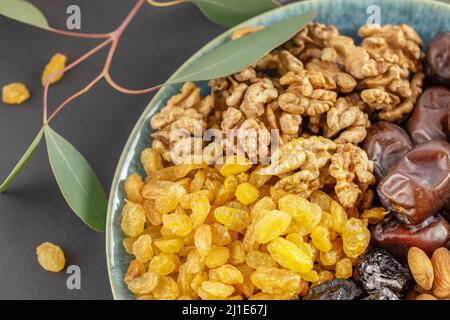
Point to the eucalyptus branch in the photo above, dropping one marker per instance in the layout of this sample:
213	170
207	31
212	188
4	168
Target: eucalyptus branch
165	4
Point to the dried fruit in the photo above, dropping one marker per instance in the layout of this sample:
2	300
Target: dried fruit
271	225
306	214
200	207
378	270
276	281
234	165
167	289
320	237
56	64
203	239
144	284
229	274
50	257
133	187
169	245
289	255
232	218
246	193
356	237
135	269
133	219
142	248
178	224
162	264
337	289
217	289
344	268
169	199
15	93
441	266
151	160
217	256
421	267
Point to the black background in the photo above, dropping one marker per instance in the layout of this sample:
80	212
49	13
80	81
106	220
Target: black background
157	42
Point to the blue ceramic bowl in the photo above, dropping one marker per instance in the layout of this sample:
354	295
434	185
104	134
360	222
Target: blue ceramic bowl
426	16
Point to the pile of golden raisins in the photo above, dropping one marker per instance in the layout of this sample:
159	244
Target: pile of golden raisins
201	232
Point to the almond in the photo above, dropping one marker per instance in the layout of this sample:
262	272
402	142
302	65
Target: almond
441	265
421	267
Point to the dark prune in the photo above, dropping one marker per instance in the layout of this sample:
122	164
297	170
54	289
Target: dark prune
438	59
336	289
419	185
429	120
385	144
378	270
397	237
384	294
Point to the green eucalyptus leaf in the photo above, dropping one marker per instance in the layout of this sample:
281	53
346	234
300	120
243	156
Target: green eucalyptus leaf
23	11
23	161
232	12
77	181
238	54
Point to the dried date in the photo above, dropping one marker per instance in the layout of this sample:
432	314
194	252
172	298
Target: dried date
419	185
429	120
438	58
385	144
398	237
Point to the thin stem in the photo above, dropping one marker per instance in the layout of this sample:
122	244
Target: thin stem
165	4
119	88
74	96
68	67
81	35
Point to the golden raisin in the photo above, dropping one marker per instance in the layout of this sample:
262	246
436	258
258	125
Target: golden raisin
356	237
162	264
232	218
142	248
168	201
271	225
154	217
310	276
50	257
374	215
339	216
234	165
237	252
56	64
322	199
320	237
128	244
151	160
306	214
220	234
15	93
200	209
178	224
144	284
133	219
226	191
229	274
289	255
198	181
217	288
169	245
133	187
274	280
217	256
246	193
167	289
203	239
344	268
256	259
135	269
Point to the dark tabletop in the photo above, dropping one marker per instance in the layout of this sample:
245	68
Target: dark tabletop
98	124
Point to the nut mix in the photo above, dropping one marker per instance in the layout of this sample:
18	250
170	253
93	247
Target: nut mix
281	204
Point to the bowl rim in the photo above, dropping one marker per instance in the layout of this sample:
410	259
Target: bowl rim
142	119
